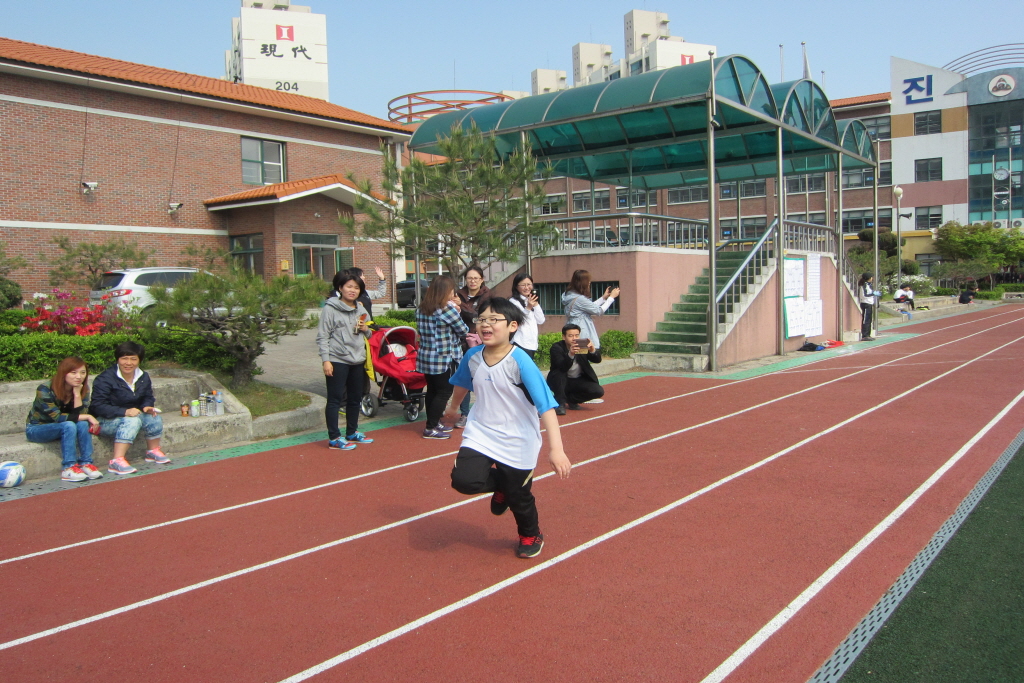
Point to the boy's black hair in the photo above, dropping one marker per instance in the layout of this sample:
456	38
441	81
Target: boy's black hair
570	326
129	348
505	308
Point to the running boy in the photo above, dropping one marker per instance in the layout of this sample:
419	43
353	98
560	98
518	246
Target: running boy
502	438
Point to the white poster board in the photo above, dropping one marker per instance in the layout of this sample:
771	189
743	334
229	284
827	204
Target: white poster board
794	277
813	314
794	309
813	277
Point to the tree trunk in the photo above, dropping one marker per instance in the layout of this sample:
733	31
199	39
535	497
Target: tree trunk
242	374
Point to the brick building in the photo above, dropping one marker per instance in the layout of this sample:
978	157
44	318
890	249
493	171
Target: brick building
261	172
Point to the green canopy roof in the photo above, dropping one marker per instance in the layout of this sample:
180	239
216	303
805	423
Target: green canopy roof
651	130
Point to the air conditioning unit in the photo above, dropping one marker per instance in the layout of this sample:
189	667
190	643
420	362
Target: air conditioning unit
999	223
1017	223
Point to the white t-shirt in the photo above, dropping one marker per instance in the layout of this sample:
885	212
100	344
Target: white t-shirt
527	336
510	395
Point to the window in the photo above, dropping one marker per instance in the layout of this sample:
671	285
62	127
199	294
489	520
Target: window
927	170
636	68
315	255
553	203
928	122
815	218
752	188
727	229
168	278
753	227
262	162
247	251
814	182
863	219
861	177
597	291
878	127
885	173
727	191
640	198
581	200
927	217
682	195
927	262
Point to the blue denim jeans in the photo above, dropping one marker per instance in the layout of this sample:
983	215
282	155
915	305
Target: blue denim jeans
75	440
125	429
464	406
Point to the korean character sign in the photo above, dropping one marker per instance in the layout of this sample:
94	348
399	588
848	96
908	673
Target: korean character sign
921	84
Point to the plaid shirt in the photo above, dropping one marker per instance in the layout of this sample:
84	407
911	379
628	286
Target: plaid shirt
441	337
47	408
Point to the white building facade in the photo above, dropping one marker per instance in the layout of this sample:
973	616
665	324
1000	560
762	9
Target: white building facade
279	46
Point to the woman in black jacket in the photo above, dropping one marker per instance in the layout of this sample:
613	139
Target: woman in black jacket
122	399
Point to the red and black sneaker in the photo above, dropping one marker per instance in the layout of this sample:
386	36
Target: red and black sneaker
529	546
498	504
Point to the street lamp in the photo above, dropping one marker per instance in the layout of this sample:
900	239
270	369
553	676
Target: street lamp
897	192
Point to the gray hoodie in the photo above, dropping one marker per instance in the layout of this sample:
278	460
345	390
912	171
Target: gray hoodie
336	336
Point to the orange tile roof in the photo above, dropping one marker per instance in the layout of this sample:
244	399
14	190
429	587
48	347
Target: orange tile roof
879	98
288	189
117	70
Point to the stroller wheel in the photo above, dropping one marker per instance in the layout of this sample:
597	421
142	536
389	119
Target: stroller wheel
412	411
369	405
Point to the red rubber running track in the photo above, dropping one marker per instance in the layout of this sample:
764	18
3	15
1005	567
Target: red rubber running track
711	530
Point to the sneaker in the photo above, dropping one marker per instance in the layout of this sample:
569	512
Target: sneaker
529	546
156	455
120	466
461	422
90	470
560	410
445	428
867	339
359	437
594	401
573	406
340	444
498	504
436	434
73	473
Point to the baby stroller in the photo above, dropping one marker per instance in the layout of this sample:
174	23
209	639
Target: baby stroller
393	352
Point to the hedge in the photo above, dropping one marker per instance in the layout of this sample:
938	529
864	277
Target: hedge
408	316
36	355
1012	287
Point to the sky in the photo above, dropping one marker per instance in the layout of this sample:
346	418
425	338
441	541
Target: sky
382	49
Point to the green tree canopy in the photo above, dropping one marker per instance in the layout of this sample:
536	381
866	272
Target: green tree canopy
980	242
9	264
239	311
470	208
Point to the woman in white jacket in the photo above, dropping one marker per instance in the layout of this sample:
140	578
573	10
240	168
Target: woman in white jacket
579	309
526	299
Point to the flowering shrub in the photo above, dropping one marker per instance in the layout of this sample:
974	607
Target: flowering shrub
56	313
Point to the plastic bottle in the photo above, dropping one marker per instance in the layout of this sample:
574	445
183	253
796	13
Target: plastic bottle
219	398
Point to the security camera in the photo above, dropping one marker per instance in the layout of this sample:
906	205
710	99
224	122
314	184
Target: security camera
173	206
907	215
89	187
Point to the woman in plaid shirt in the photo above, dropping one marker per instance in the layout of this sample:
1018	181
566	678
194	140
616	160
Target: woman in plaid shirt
441	333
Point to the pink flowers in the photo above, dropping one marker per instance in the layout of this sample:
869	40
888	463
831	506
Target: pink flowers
65	318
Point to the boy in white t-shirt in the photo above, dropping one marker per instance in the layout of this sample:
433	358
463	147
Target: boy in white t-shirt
501	441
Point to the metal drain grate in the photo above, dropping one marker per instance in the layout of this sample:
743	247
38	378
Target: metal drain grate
841	660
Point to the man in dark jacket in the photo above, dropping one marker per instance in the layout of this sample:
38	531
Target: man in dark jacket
123	401
571	378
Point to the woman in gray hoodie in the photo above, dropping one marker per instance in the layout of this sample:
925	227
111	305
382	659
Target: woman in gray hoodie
579	309
341	341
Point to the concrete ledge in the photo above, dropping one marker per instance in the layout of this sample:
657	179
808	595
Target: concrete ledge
298	420
671	362
613	366
941	312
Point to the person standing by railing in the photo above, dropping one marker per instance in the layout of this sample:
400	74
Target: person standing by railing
866	295
580	309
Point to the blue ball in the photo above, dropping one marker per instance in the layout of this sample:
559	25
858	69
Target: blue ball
11	474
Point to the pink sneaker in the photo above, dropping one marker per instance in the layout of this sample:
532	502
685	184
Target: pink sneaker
156	455
120	466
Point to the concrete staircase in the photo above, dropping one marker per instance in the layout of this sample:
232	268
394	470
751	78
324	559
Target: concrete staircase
680	342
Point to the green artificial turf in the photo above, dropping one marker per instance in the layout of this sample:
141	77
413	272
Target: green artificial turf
964	620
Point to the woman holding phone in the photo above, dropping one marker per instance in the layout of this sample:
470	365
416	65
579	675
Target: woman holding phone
580	309
341	341
525	297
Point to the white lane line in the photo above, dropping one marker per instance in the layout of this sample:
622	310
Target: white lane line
392	525
512	580
288	494
790	611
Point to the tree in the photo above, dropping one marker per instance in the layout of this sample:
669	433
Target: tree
9	264
471	208
82	264
239	311
961	272
980	244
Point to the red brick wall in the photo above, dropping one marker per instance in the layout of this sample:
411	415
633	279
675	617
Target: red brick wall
140	167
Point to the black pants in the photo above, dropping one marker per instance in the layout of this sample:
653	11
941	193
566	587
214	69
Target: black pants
475	473
346	378
904	300
573	390
439	390
865	322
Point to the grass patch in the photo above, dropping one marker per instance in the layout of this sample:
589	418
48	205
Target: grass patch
262	398
962	621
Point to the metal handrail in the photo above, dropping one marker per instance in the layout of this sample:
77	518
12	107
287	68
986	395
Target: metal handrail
808	237
645	229
750	257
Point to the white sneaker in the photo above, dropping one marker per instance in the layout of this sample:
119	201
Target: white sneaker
73	473
594	401
91	471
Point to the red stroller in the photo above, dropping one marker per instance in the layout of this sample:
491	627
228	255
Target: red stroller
393	354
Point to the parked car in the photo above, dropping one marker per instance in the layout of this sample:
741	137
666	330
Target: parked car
406	297
130	287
